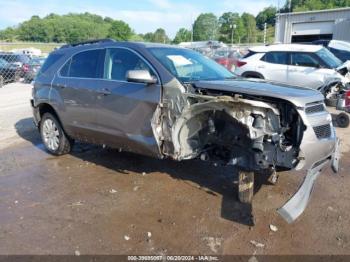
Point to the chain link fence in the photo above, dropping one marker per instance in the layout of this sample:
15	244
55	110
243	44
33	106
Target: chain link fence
16	67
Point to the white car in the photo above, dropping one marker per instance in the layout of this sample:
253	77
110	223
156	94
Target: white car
311	66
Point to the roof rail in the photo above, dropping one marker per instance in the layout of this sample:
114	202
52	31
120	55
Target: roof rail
89	42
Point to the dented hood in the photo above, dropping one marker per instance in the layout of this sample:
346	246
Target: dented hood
299	96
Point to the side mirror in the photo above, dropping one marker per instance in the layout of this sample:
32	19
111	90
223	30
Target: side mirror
140	76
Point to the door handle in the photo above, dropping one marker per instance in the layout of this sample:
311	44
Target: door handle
105	91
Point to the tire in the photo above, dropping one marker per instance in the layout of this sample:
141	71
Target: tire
245	187
342	120
53	136
1	81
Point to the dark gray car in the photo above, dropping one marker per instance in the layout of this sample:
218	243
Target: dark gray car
164	101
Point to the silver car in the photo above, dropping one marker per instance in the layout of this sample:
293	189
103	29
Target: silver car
169	102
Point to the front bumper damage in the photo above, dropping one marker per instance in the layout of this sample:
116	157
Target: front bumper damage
297	204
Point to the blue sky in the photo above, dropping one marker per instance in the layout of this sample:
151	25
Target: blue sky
142	15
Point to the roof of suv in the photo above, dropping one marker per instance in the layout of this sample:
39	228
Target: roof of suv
286	48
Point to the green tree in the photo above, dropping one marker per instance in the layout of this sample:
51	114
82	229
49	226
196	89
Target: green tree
206	27
119	31
160	36
250	26
268	16
183	35
231	23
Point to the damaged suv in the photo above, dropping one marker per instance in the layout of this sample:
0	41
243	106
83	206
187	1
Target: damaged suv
169	102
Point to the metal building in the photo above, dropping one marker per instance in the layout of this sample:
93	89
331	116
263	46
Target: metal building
308	26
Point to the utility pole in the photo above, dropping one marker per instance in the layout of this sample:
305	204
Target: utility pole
233	27
265	32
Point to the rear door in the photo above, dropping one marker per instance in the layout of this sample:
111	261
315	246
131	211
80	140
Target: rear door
77	85
125	109
304	70
275	66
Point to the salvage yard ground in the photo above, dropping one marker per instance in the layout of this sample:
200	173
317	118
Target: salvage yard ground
100	201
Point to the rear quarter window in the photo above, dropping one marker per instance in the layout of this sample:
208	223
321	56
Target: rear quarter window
52	59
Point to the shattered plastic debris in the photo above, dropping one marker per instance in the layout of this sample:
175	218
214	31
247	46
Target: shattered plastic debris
77	252
257	244
273	228
79	203
149	234
144	173
136	188
113	191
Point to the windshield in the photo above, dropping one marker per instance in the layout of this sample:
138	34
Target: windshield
189	66
328	58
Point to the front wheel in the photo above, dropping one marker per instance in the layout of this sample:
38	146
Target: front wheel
53	136
245	187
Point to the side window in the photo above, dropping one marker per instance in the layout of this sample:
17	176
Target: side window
303	59
119	61
87	64
65	69
276	58
52	59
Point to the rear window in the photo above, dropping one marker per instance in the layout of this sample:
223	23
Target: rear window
276	58
52	59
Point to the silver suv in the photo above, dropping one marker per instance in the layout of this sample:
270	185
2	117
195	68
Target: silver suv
169	102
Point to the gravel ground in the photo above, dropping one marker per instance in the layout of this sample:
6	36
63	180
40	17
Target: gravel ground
99	201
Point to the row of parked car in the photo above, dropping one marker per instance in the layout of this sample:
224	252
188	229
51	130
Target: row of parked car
16	66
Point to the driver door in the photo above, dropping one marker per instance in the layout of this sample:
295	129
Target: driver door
125	109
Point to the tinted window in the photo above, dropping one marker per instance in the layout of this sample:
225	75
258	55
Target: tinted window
119	61
87	64
276	58
303	59
65	69
53	58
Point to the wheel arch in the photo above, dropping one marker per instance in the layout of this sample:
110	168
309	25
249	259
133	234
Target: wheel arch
252	74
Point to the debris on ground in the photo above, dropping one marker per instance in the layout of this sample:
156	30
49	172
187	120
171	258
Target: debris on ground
214	243
79	203
136	188
113	191
149	234
144	173
273	228
77	252
127	238
257	244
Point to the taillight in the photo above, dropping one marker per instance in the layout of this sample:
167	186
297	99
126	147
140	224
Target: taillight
241	63
25	67
347	98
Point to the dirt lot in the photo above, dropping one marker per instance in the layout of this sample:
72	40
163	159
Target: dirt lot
99	201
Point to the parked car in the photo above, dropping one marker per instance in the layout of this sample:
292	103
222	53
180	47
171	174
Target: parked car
169	102
34	67
311	66
227	58
340	49
19	60
8	72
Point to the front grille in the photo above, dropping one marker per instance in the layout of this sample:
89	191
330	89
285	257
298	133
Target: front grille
315	109
323	131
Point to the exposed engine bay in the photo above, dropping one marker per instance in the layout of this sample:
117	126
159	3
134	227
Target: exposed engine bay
253	133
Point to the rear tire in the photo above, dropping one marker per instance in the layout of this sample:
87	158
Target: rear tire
342	120
245	187
53	136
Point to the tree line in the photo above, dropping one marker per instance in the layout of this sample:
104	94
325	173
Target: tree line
229	27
